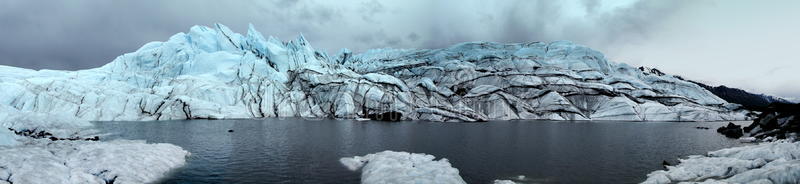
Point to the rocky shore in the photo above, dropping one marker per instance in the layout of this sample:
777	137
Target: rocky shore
775	159
781	121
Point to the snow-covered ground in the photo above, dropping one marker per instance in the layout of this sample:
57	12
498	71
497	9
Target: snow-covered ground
25	159
212	72
769	162
82	162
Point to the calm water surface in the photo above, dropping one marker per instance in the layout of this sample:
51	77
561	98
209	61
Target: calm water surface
308	151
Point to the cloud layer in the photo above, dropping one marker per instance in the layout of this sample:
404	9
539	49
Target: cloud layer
737	43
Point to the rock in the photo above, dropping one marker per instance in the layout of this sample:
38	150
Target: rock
704	128
731	130
95	138
386	116
778	120
42	134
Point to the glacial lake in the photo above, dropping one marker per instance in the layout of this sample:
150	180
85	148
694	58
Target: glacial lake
308	151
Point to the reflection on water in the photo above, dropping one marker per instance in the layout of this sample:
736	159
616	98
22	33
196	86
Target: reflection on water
306	151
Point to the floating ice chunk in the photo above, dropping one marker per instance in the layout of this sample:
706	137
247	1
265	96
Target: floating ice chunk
748	139
402	167
514	180
504	182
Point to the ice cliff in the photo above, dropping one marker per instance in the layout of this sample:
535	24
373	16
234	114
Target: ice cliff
212	72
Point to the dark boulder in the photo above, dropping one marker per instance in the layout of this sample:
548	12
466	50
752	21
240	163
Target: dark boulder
731	131
386	116
95	138
778	120
665	164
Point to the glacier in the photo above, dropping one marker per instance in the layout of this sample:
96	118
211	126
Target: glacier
214	73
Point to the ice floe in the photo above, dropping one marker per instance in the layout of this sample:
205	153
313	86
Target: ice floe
402	167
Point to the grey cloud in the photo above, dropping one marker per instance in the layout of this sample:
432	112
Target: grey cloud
529	20
370	8
413	37
788	89
378	39
286	3
84	34
591	5
525	21
637	20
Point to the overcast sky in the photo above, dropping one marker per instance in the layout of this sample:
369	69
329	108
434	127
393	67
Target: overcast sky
739	43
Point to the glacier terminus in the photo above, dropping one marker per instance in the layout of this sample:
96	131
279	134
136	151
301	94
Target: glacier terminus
214	73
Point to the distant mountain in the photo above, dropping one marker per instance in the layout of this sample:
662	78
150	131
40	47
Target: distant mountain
749	100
